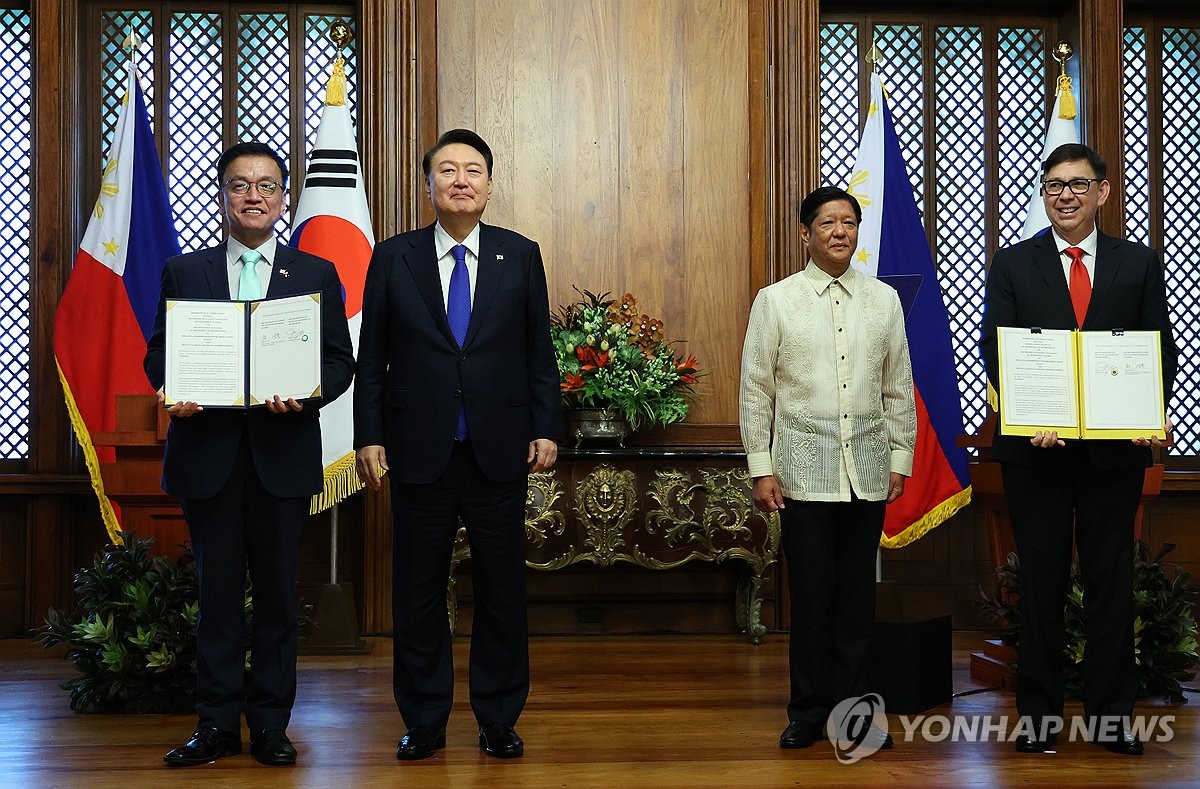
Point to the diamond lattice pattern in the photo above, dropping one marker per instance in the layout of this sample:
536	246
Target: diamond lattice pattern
15	129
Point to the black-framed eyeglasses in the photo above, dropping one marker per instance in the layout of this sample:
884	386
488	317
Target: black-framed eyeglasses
1079	186
239	187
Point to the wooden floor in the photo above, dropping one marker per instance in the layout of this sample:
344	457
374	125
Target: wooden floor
646	711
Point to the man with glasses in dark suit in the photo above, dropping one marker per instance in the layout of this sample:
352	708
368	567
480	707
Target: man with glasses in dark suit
246	476
1078	493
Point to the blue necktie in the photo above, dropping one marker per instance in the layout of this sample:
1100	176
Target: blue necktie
458	313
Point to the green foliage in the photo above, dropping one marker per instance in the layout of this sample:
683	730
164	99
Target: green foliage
609	357
132	631
1165	634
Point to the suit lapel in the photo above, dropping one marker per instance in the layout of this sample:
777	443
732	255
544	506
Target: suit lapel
1048	264
422	263
282	283
488	276
216	272
1104	272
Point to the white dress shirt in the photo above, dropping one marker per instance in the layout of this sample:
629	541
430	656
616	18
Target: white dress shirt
233	263
827	402
443	242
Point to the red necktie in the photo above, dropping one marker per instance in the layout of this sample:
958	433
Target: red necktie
1081	286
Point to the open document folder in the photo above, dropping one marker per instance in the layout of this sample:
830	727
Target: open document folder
238	354
1089	384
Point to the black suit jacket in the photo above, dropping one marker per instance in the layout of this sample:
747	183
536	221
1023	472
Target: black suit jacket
286	447
413	377
1026	288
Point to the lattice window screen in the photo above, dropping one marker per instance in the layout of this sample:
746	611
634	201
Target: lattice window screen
217	58
902	72
1136	88
839	102
16	104
960	178
194	125
951	114
1180	146
1020	133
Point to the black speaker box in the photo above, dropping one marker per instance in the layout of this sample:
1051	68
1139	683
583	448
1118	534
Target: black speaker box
909	664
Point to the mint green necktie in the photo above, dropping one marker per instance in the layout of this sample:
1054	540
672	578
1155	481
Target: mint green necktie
248	288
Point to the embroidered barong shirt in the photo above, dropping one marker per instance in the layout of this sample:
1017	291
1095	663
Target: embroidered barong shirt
827	403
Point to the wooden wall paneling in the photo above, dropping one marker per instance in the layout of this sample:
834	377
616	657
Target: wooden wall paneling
398	54
588	229
631	164
1099	49
656	175
716	197
795	51
55	178
395	42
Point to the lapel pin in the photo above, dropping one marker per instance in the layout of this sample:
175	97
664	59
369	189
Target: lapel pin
283	272
499	257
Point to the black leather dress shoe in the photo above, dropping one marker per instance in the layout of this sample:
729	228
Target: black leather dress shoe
797	735
207	745
272	747
1027	744
420	743
1124	742
501	740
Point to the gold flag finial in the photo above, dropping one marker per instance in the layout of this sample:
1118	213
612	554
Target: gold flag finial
335	89
874	56
132	42
1063	51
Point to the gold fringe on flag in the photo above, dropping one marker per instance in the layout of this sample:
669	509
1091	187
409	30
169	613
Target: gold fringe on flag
934	517
93	463
1066	105
341	482
335	88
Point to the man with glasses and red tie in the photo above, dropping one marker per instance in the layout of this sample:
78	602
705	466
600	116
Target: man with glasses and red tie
246	476
1075	494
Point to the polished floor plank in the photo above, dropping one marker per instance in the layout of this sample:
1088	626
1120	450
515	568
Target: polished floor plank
652	711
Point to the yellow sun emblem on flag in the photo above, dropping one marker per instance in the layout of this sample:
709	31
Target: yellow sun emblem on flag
859	178
107	188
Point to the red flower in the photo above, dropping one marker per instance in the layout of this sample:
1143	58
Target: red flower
590	360
572	383
686	370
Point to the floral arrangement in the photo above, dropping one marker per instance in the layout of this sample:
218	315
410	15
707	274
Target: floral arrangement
610	357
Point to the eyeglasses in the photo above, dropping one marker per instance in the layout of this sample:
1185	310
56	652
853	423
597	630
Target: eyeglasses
1079	186
239	187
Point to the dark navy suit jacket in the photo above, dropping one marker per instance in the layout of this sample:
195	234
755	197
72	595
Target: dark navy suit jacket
286	447
1026	288
413	377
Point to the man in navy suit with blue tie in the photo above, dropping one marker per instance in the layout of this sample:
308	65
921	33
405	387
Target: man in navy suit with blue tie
1078	493
246	477
457	398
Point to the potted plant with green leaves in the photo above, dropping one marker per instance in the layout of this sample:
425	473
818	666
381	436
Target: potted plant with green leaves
1165	634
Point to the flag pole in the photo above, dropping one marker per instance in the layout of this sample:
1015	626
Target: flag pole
335	620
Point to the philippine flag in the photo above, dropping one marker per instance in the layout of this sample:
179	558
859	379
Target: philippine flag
107	309
893	247
332	221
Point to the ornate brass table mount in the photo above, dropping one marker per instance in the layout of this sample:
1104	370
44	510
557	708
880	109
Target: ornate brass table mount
654	509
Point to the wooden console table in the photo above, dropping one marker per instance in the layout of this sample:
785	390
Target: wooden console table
651	507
